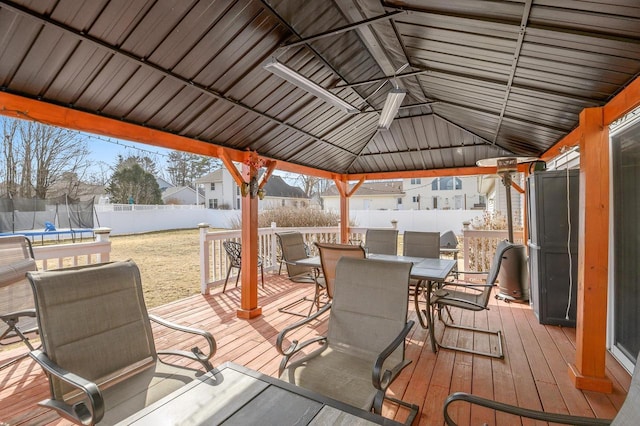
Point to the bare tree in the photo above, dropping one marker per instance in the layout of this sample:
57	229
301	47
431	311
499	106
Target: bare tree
36	156
9	162
184	168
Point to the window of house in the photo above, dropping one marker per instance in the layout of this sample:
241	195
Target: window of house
215	203
416	181
210	203
238	203
237	190
415	198
213	186
446	183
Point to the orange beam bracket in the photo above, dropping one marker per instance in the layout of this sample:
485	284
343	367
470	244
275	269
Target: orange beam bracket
356	186
517	187
231	167
271	166
340	186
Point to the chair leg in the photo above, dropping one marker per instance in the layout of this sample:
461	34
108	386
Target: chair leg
227	278
262	275
238	276
497	333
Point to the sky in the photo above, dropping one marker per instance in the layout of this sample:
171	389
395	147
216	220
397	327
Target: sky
103	149
106	150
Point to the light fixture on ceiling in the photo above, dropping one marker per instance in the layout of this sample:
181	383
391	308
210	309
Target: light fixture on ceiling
293	77
391	107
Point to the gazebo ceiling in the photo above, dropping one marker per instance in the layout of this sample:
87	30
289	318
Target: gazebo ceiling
484	78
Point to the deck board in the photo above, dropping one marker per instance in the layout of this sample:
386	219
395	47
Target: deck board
533	373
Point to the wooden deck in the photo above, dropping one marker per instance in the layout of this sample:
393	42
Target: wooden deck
533	373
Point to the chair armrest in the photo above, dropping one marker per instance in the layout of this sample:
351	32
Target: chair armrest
77	412
195	354
296	346
518	411
16	314
382	380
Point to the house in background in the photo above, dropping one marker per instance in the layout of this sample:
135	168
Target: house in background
377	195
221	192
496	196
443	193
279	193
182	195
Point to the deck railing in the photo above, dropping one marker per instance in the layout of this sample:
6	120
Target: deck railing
479	246
214	261
63	255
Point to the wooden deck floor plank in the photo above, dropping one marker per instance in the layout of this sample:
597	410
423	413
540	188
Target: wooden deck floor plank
526	393
427	381
548	391
548	338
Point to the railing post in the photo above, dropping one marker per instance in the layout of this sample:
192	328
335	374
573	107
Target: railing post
274	257
466	244
204	257
102	236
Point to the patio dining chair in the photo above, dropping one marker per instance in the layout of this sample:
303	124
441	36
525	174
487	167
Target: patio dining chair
470	296
420	244
381	241
234	254
354	364
628	414
293	249
98	349
17	308
330	254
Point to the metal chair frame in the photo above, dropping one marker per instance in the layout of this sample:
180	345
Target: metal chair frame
234	253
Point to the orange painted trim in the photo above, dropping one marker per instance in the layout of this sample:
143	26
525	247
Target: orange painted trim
589	383
569	141
248	314
624	102
340	186
355	187
231	168
593	253
517	187
16	106
249	234
271	166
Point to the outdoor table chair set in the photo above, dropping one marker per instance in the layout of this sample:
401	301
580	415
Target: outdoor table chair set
99	354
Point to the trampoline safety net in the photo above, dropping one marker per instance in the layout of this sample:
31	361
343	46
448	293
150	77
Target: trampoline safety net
24	214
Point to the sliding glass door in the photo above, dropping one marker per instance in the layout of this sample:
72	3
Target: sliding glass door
624	329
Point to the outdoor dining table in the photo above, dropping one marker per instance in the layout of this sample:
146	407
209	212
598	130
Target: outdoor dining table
428	272
236	395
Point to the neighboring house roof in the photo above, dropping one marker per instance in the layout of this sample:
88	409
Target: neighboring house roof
214	176
277	187
370	188
163	184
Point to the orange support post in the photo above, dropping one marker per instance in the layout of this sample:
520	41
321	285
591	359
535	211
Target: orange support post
249	297
588	372
342	187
